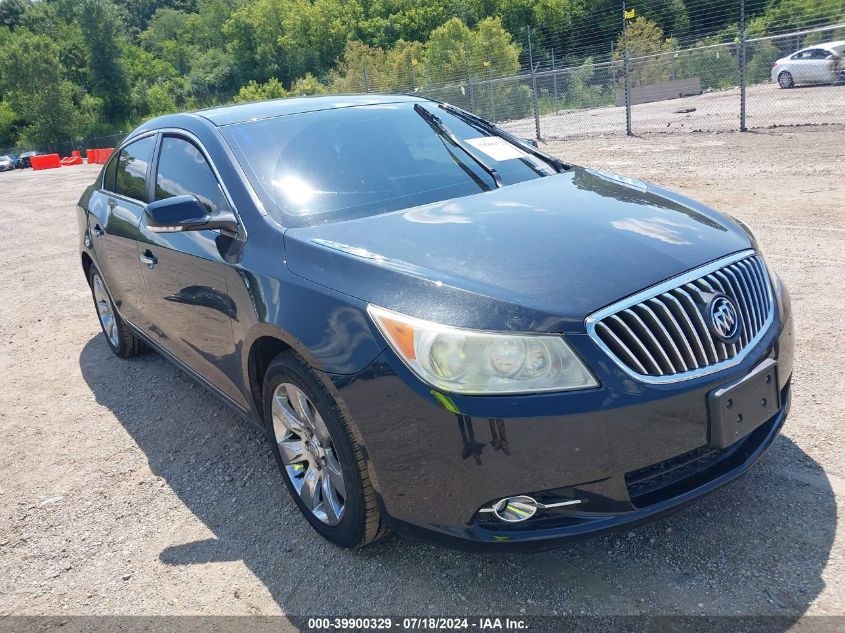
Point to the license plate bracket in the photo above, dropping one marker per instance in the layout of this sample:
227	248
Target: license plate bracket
737	409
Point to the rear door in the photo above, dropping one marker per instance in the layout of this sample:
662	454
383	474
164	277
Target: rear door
823	64
115	215
189	310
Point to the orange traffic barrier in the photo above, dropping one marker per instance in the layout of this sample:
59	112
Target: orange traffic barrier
45	161
103	155
71	160
91	156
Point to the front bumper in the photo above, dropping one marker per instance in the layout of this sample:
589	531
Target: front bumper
629	450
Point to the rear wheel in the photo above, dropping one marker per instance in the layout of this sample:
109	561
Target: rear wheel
785	79
322	465
120	338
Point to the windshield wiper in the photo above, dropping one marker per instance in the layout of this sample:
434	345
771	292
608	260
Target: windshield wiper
485	126
438	126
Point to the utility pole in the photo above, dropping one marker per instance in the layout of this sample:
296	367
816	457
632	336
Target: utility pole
491	92
742	38
554	75
628	129
413	67
535	97
470	87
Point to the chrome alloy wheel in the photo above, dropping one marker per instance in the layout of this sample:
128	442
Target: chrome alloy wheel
105	310
308	453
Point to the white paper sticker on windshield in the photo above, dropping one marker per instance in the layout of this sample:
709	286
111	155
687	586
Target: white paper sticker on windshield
496	148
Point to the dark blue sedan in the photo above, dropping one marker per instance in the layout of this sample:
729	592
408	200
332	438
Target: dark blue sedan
442	330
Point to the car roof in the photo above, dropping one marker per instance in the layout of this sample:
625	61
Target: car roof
826	46
230	114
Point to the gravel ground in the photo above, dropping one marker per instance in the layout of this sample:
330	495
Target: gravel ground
127	489
767	106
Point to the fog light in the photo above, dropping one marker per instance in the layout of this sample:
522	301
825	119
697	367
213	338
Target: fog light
522	508
515	509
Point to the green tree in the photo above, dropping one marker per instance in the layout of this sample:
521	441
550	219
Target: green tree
11	12
360	69
787	15
212	76
287	38
448	52
307	85
103	28
648	51
761	57
157	87
254	91
456	52
9	125
31	81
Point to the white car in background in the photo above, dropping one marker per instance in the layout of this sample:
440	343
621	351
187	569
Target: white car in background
819	64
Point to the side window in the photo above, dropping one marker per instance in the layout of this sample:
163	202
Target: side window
108	177
183	170
821	53
131	176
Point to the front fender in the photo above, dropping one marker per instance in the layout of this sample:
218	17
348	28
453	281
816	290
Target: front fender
330	330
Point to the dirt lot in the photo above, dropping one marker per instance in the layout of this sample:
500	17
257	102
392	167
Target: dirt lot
127	489
717	111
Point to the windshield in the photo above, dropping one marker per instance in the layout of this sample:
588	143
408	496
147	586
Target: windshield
353	162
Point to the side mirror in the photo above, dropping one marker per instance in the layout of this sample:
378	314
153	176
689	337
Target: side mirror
187	213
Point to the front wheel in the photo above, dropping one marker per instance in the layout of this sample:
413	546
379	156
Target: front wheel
322	465
785	80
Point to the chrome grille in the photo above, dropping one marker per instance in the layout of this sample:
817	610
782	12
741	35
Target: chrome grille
660	335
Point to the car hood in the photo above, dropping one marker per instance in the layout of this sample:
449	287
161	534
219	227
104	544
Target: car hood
561	246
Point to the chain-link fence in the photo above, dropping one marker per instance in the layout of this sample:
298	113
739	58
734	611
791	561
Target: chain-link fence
684	90
65	148
718	87
696	81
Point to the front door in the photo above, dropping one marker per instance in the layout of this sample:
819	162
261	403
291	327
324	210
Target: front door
190	312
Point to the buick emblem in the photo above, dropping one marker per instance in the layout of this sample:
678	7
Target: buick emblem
723	318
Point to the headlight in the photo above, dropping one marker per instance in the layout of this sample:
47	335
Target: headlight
466	361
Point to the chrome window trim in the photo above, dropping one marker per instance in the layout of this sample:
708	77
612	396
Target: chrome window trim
153	171
670	284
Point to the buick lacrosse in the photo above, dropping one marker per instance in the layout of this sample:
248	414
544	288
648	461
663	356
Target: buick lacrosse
442	330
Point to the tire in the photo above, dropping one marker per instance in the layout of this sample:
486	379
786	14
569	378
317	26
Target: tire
121	340
785	79
348	519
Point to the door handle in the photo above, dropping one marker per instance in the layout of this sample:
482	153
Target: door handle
112	203
96	231
148	259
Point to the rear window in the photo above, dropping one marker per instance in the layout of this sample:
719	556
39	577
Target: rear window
132	167
108	177
344	163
